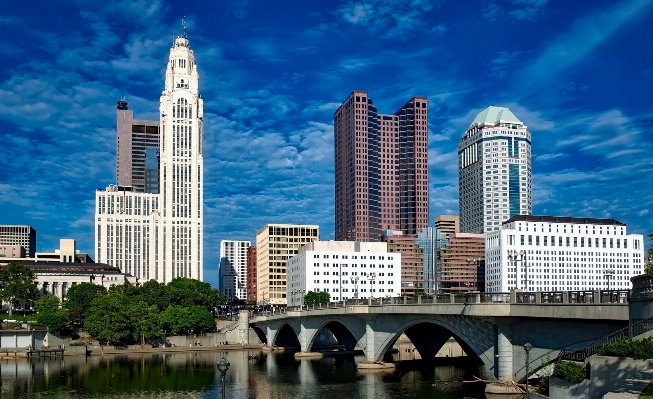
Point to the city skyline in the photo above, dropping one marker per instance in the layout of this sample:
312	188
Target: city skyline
576	75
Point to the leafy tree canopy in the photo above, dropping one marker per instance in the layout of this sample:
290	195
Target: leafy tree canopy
107	318
187	292
145	321
50	314
80	296
182	320
314	298
17	284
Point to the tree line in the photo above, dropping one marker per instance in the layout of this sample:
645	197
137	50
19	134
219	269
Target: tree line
121	314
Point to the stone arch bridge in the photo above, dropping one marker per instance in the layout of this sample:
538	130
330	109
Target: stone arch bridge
493	332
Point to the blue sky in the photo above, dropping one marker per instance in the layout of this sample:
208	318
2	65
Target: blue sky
578	73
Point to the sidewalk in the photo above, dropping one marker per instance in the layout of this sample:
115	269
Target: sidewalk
632	387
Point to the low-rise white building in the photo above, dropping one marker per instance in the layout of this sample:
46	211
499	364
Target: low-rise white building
344	269
546	253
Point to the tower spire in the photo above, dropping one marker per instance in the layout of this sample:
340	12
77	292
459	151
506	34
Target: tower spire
184	25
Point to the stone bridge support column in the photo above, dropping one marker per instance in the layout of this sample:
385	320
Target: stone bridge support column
269	334
370	348
504	352
243	327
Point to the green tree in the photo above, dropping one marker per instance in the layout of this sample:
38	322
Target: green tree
108	319
145	321
155	293
79	298
17	285
126	289
186	292
314	298
49	313
182	320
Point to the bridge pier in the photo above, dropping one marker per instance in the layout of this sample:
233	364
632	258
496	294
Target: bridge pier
504	352
243	327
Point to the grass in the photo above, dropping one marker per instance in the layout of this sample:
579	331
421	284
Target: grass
648	392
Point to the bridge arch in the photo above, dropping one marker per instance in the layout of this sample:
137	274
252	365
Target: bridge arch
429	334
344	333
260	333
285	335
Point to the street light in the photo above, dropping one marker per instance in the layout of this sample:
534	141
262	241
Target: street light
607	273
371	277
474	262
223	366
527	348
354	280
522	255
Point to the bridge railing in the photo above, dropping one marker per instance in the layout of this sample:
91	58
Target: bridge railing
630	331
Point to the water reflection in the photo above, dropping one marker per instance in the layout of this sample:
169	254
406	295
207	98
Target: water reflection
194	375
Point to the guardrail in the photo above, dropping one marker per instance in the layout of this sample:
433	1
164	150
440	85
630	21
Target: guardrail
631	331
515	297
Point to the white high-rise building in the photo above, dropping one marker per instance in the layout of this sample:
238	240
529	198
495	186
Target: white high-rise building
159	236
344	269
494	171
545	253
233	268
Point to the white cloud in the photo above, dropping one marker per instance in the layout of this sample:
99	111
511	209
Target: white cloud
394	18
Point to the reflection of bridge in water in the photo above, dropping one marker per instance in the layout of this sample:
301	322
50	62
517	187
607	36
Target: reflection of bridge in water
492	327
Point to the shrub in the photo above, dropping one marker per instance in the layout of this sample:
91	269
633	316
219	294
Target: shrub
78	344
637	349
570	371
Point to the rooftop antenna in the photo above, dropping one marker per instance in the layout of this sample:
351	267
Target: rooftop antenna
184	25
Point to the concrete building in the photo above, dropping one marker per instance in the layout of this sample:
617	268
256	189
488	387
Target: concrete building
344	269
160	236
494	171
431	240
58	270
412	260
548	253
233	269
152	170
133	138
463	263
22	235
448	224
381	168
251	273
67	253
275	244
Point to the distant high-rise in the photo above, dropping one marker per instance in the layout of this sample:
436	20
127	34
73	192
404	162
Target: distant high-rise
152	170
494	171
275	244
160	236
233	268
381	169
251	273
432	240
448	224
134	137
24	236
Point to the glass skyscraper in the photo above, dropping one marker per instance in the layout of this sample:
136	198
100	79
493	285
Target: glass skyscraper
494	171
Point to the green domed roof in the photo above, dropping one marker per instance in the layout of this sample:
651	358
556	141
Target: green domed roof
492	115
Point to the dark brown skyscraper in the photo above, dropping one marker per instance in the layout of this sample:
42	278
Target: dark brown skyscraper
381	167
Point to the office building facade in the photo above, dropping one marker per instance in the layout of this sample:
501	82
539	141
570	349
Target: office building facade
24	236
133	138
412	260
344	269
233	269
431	240
381	168
494	171
251	273
448	224
160	236
275	244
463	263
548	253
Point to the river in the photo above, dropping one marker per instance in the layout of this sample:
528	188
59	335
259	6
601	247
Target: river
194	375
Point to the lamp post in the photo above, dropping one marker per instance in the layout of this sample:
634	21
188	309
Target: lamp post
371	277
354	280
527	348
522	257
223	366
607	273
474	262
